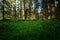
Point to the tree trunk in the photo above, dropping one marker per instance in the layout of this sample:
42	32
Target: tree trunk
29	1
15	9
3	10
36	11
24	10
15	13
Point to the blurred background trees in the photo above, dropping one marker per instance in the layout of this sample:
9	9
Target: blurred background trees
29	9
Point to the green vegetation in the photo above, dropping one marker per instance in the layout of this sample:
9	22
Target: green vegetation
30	30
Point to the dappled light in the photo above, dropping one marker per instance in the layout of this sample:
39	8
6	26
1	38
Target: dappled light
29	9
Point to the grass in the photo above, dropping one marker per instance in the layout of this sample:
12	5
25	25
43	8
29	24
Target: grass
30	30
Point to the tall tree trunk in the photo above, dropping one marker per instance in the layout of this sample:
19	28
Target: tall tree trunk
49	9
3	10
15	13
15	9
58	8
36	11
21	9
24	10
52	8
29	1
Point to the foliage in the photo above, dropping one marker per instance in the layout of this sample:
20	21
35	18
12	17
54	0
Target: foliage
30	30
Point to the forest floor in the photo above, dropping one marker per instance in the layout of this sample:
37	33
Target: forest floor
30	30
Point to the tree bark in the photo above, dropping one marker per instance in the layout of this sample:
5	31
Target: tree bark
3	10
29	8
36	11
24	10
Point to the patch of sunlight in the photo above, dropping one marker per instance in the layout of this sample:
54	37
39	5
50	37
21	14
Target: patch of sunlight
49	17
